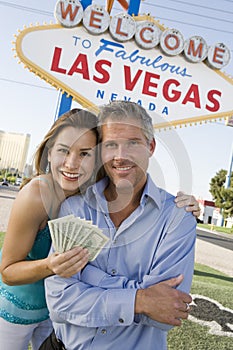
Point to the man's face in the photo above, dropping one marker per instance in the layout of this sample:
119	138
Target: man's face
125	153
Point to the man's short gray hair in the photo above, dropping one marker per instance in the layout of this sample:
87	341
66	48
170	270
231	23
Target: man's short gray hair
121	110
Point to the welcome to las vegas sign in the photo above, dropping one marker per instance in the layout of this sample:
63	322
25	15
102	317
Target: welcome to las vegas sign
96	58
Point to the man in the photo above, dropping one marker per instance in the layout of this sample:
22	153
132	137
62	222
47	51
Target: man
136	289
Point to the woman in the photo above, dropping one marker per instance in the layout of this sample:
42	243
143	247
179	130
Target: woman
60	171
65	163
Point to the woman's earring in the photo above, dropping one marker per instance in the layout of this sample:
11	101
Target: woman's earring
47	170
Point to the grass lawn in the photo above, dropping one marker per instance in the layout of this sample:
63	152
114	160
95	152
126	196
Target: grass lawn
193	336
216	228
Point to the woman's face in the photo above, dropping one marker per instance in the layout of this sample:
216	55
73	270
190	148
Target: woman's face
72	158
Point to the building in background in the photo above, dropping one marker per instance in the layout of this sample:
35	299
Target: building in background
211	215
207	211
13	151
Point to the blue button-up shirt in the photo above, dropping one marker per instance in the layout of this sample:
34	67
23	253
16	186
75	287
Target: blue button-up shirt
94	309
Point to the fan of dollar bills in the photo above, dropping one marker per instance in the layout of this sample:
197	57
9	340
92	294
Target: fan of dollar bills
70	231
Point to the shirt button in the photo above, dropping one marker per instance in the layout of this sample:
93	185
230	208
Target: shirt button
113	272
121	320
103	331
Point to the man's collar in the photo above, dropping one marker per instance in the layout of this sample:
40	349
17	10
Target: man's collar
150	190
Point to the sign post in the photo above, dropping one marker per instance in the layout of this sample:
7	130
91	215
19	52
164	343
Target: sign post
229	172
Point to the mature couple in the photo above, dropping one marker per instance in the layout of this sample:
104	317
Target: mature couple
137	287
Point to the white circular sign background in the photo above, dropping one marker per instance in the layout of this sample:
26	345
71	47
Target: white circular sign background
96	19
75	10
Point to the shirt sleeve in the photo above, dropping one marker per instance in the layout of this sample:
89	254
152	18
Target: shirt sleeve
71	301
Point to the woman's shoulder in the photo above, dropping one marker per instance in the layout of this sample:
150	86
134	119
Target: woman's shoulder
40	182
37	189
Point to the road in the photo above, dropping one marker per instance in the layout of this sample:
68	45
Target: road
218	239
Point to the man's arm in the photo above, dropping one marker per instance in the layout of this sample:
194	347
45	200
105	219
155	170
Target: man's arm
71	301
160	302
163	303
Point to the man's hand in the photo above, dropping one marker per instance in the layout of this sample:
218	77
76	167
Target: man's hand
189	201
163	303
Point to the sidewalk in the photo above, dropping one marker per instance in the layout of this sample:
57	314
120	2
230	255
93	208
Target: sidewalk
214	256
6	201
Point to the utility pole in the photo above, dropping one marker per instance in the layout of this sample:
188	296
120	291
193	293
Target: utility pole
228	177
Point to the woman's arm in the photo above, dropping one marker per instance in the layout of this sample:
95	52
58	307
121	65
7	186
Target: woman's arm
29	214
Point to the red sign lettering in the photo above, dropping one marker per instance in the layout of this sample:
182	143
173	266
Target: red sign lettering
68	10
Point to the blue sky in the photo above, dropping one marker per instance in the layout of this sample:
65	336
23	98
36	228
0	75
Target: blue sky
185	158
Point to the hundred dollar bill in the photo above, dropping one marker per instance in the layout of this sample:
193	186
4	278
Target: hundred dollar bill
82	228
56	227
75	236
67	231
53	235
94	241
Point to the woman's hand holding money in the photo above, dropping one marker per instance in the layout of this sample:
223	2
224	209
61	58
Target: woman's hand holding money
68	263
